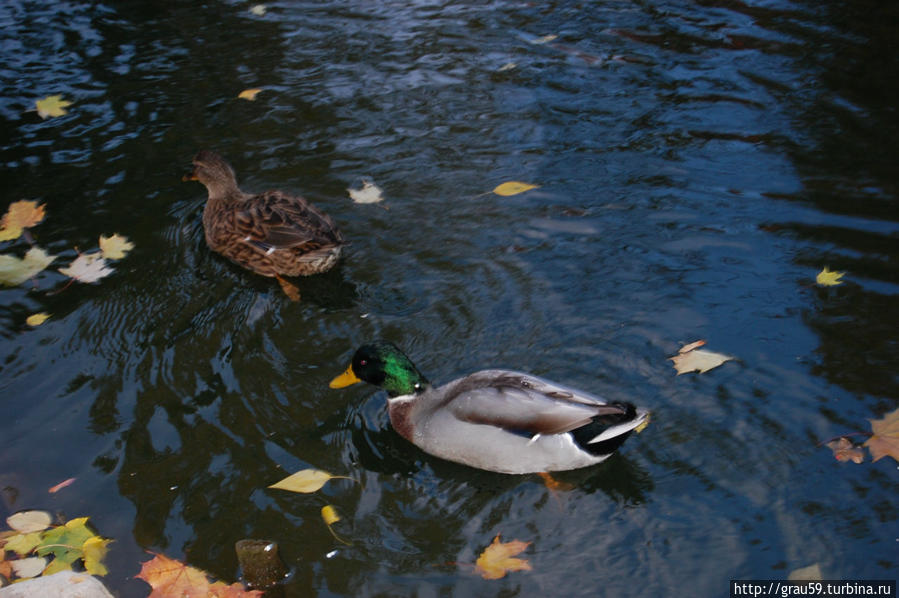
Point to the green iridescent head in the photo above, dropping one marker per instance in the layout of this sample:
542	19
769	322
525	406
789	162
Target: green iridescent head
383	364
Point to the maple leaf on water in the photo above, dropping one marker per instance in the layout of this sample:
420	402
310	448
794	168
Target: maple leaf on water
499	558
93	550
844	450
884	442
369	193
829	278
88	267
15	271
169	577
65	543
115	247
51	106
692	359
20	215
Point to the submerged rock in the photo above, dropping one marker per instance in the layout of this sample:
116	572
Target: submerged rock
65	584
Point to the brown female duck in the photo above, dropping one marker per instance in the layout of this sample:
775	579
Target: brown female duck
271	233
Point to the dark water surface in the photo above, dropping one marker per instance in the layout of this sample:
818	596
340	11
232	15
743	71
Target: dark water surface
699	163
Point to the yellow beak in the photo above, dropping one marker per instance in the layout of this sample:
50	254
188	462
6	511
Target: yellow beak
345	379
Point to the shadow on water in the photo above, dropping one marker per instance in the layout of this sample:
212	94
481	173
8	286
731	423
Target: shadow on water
849	178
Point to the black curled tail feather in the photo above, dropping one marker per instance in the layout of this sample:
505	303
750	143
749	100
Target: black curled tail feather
582	436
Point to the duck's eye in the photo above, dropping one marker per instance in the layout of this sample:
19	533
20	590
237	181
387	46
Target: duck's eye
363	362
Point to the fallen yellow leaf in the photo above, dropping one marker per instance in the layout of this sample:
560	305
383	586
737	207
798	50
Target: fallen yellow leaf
829	278
329	514
51	106
514	188
643	425
15	271
249	94
306	481
23	543
94	549
37	319
498	559
115	247
20	215
884	442
330	517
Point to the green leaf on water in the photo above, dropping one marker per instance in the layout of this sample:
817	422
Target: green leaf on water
71	542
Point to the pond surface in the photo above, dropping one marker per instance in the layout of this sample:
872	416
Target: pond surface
699	163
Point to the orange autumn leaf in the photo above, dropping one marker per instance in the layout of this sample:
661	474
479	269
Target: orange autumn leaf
170	578
884	442
20	215
553	484
249	94
499	558
61	485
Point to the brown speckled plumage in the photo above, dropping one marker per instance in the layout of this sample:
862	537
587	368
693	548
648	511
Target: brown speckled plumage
271	233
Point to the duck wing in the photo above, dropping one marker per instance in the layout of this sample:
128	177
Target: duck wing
275	220
522	403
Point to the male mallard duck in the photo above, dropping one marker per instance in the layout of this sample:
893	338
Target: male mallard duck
497	420
271	233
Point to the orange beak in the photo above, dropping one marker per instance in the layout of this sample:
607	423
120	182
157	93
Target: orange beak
345	379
